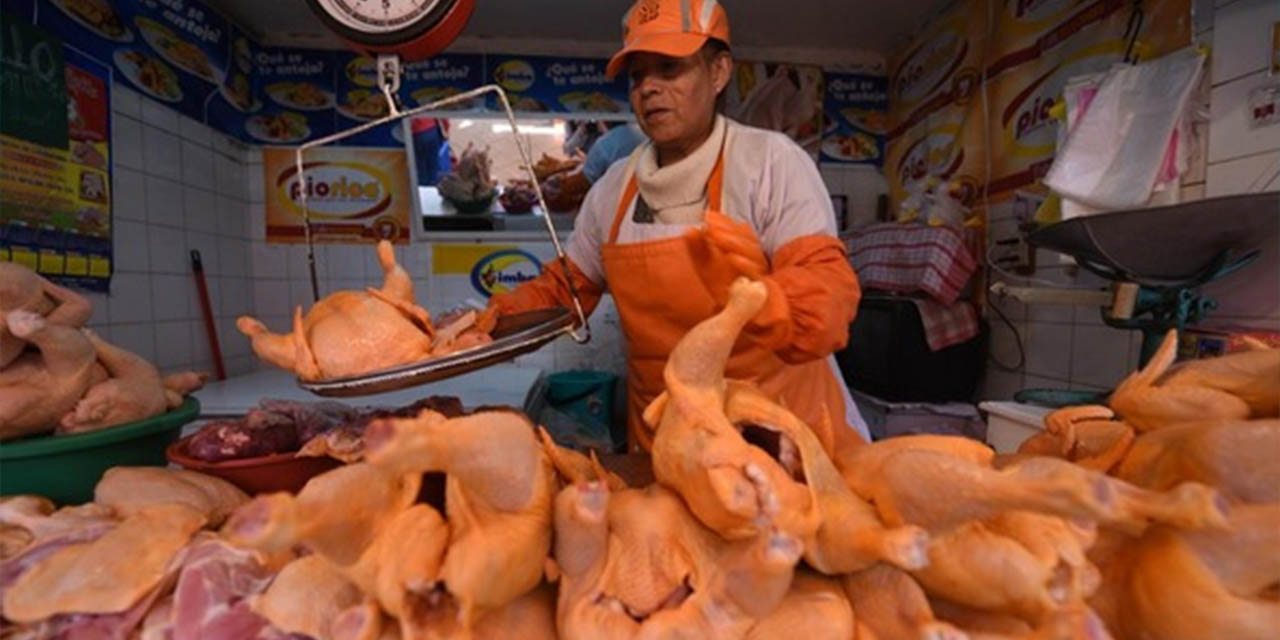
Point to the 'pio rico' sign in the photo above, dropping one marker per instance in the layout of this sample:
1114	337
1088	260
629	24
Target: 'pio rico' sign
352	194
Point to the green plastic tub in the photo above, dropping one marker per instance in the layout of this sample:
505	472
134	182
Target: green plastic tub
587	396
65	469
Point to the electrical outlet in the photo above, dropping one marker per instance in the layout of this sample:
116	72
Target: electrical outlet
1014	253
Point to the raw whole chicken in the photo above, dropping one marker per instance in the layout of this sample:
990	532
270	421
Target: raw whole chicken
1231	387
811	598
438	578
109	575
21	289
349	333
128	490
55	375
41	386
700	451
1087	436
1175	584
499	490
133	391
1238	457
636	564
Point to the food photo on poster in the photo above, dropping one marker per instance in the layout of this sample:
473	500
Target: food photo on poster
948	319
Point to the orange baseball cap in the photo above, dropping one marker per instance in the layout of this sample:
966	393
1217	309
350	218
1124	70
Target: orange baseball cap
675	28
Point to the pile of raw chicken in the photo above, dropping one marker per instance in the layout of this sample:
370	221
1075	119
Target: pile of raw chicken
57	376
1158	521
351	333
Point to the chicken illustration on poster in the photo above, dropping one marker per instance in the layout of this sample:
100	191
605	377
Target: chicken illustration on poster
778	97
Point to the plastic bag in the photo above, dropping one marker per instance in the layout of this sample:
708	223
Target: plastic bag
1120	148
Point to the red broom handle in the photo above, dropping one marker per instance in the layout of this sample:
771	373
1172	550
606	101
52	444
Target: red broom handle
210	327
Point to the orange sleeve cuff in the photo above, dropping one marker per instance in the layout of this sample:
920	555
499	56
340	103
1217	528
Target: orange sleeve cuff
813	296
550	289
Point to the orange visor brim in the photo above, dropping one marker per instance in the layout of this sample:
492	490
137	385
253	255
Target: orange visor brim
676	45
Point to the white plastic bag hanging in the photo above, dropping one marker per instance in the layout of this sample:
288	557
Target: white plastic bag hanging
1114	155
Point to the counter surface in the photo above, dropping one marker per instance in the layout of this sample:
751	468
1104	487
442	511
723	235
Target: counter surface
497	385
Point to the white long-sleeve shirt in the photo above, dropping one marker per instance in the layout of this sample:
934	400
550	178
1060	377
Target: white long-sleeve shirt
769	181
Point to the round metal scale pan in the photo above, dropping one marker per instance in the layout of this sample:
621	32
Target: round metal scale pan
1169	244
515	335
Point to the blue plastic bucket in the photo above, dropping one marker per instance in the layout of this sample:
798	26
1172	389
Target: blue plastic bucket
585	395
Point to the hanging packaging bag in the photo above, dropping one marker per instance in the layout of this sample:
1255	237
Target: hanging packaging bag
1114	155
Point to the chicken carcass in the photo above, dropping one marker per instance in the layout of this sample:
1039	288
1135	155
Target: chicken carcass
127	490
815	606
1087	436
109	575
700	451
499	489
362	520
1237	457
133	391
40	387
349	333
1176	584
306	596
1231	387
887	603
636	564
21	289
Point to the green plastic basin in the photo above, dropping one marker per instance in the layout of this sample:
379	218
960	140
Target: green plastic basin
65	469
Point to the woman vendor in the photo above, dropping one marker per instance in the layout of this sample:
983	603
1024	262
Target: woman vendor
705	201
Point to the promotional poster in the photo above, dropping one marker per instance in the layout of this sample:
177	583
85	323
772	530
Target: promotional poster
353	195
855	108
55	168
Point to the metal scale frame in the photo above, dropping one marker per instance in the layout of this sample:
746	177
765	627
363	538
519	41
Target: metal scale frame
514	335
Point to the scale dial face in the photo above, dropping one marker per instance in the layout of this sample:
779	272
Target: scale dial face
377	17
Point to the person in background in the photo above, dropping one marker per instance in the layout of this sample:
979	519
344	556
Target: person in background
617	143
431	153
703	202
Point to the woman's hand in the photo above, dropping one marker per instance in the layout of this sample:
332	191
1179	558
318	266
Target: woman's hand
737	244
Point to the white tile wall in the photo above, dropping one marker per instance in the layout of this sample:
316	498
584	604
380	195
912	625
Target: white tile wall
862	186
161	152
1242	37
178	185
1242	175
1230	135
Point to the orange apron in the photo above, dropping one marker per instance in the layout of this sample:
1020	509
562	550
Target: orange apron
660	297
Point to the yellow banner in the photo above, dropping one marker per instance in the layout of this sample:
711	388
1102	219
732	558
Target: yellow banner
459	259
940	126
353	195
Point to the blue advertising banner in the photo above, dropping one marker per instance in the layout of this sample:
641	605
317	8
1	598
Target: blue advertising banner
173	51
360	101
856	108
297	94
537	84
238	94
440	77
185	55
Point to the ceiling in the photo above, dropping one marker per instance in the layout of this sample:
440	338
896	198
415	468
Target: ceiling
833	26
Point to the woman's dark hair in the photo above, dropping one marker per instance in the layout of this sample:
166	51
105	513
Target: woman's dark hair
711	49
